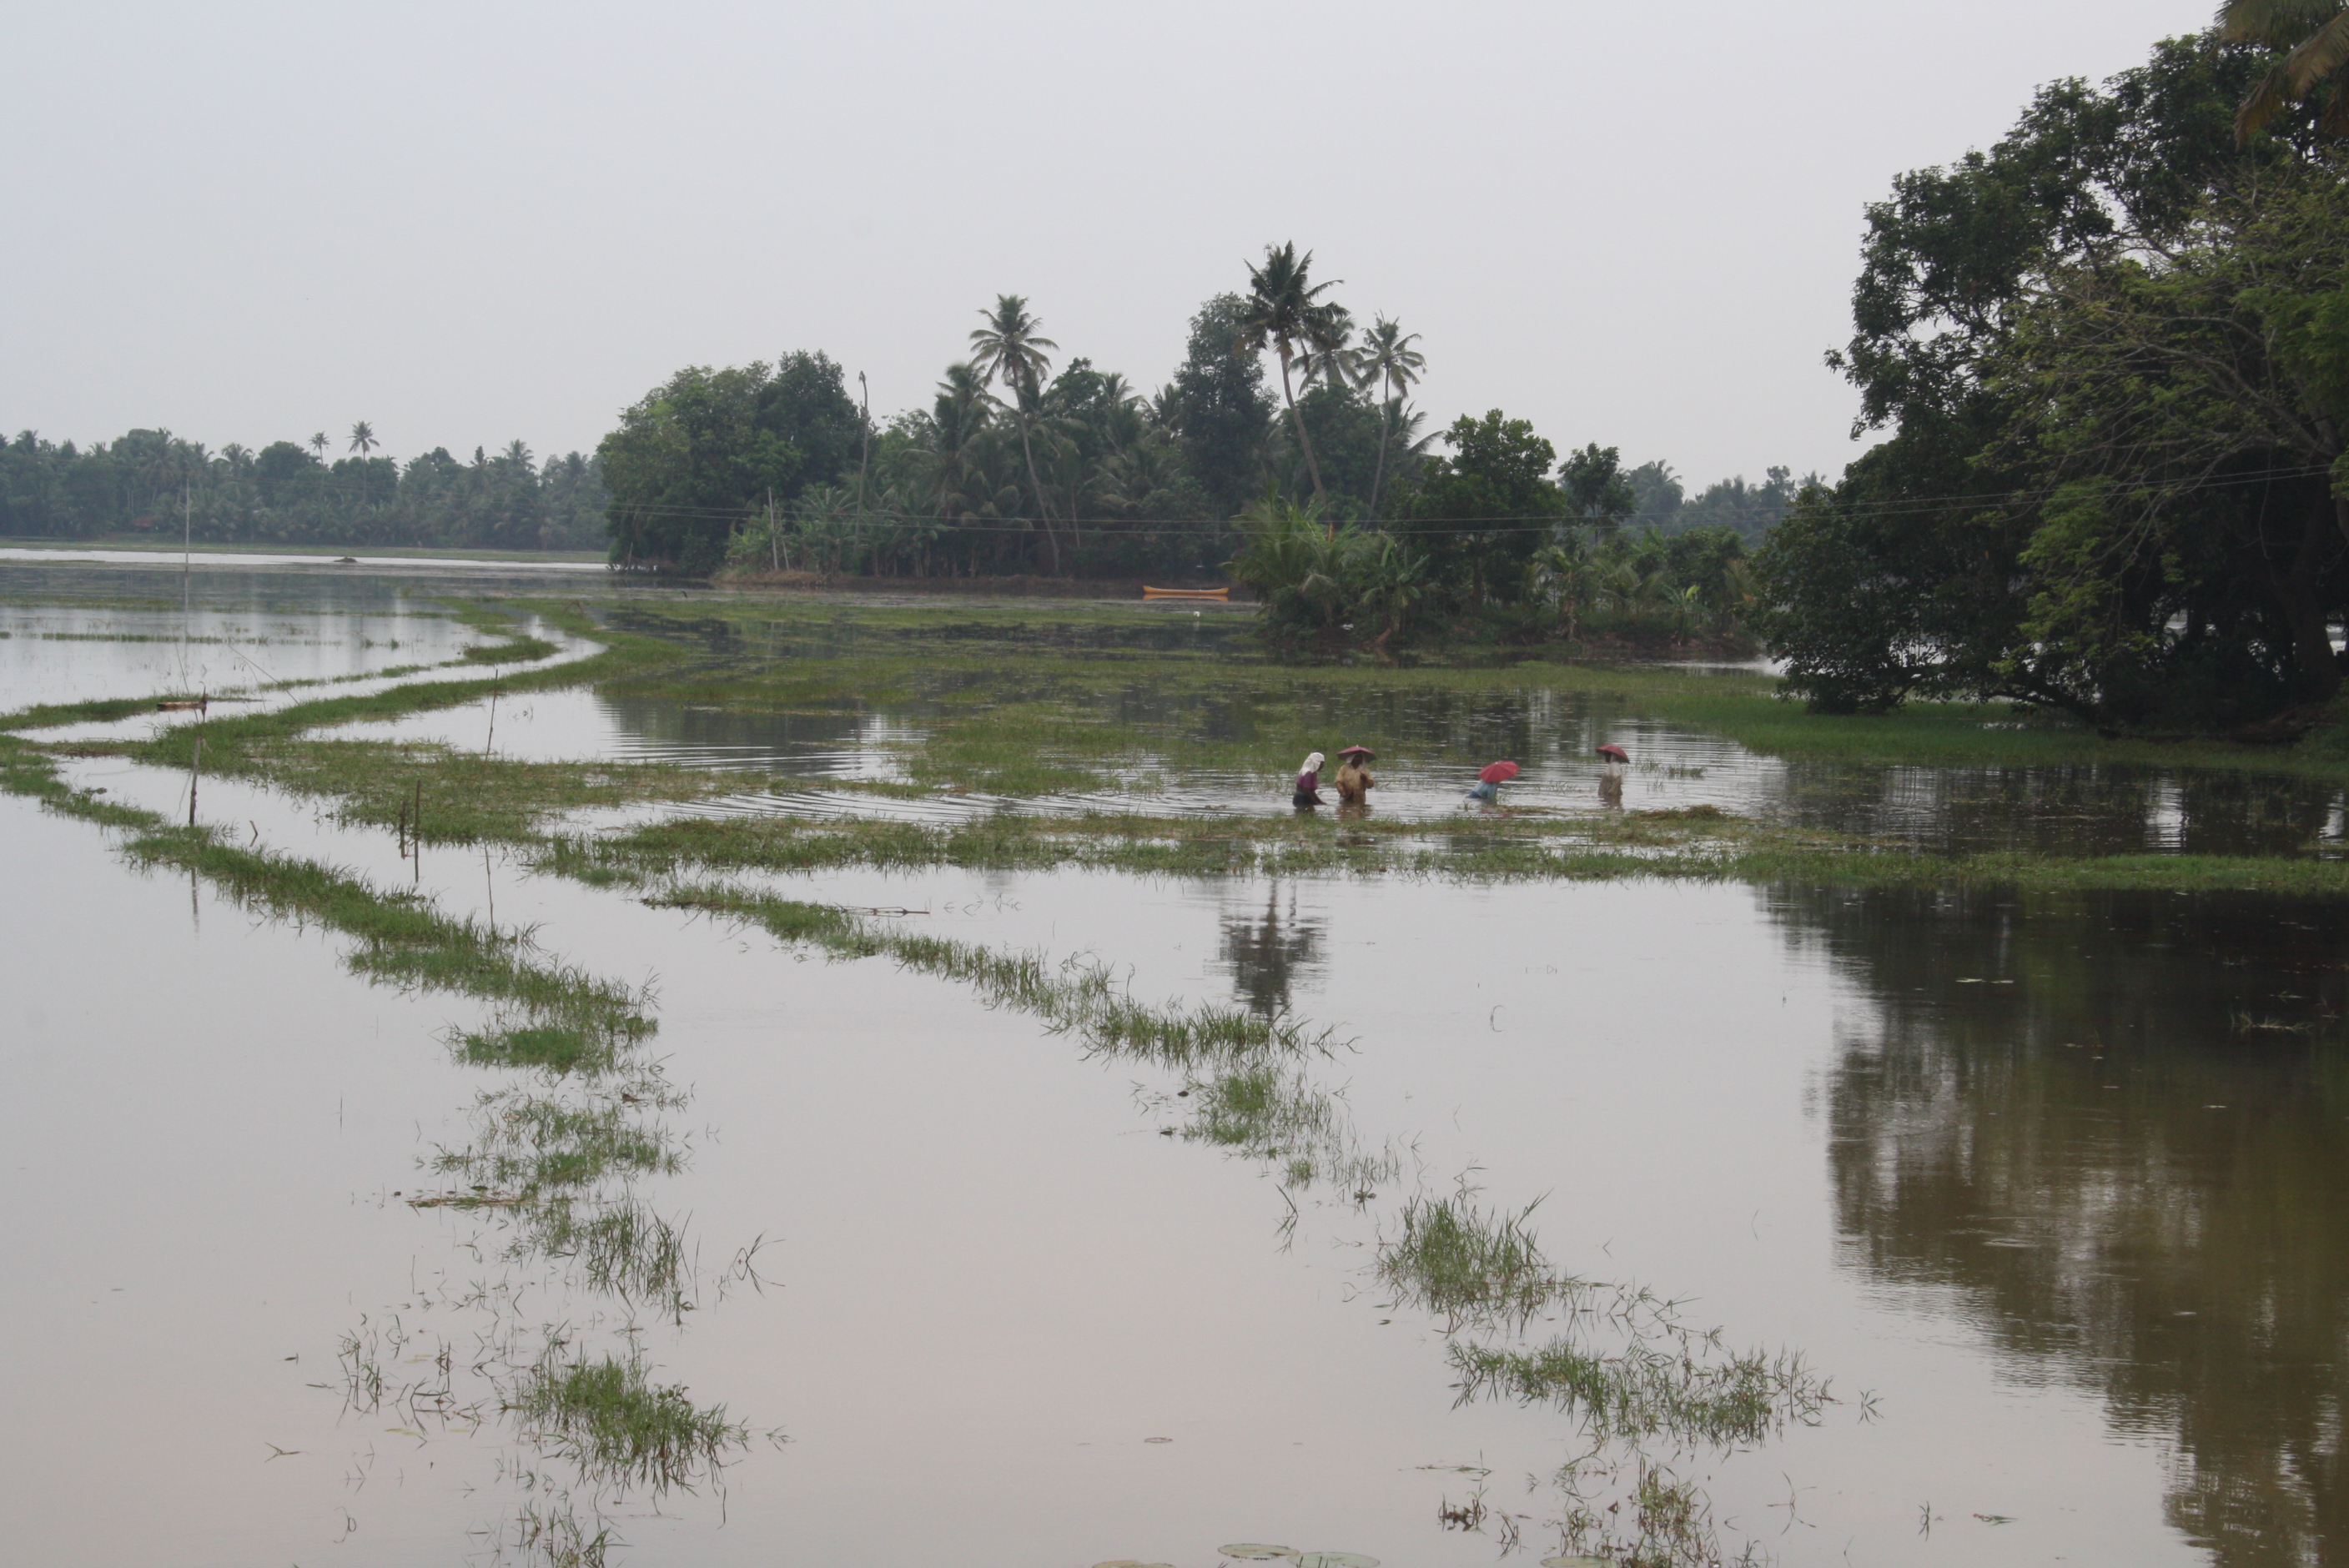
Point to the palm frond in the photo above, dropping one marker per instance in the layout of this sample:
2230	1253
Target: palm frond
2319	55
2268	98
2276	23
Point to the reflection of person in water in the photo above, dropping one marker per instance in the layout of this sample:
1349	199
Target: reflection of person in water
1308	783
1354	779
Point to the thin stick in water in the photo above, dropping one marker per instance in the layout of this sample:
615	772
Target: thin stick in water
195	769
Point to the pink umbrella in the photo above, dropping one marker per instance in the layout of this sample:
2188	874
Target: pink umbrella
1614	753
1499	773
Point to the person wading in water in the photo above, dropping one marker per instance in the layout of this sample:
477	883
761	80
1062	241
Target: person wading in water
1308	783
1354	779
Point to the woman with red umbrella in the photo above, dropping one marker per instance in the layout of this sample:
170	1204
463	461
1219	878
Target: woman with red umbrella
1612	759
1490	779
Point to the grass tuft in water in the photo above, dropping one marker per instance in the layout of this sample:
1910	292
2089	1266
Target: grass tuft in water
1676	1384
1467	1264
1275	1114
621	1430
559	1048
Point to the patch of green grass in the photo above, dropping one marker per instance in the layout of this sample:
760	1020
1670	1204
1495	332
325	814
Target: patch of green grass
1695	845
621	1430
1692	1392
534	1144
464	798
553	1047
1272	1112
1467	1265
49	716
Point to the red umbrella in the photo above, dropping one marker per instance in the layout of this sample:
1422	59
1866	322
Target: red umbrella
1614	753
1499	773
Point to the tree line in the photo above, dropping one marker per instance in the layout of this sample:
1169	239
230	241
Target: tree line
2111	357
1287	418
153	483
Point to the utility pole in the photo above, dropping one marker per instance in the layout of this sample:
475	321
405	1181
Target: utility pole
865	461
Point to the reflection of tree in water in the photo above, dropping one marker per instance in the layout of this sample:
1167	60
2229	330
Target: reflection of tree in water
1267	956
2104	808
2130	1162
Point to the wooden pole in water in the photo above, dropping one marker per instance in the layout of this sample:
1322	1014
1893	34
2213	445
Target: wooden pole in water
416	830
403	829
195	768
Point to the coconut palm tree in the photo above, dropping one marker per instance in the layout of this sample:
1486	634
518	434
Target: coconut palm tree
2316	32
1007	349
1287	314
363	441
1387	357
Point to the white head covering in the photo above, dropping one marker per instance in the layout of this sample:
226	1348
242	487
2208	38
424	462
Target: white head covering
1312	764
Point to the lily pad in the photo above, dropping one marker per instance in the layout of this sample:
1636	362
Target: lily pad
1336	1560
1256	1550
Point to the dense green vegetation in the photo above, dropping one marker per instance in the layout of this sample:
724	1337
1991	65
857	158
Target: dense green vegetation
1282	398
2113	356
151	483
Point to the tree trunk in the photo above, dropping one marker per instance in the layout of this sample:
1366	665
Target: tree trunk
1043	508
1303	440
1378	475
2296	592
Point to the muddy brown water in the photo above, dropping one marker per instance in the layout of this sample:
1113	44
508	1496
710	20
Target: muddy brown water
2050	1186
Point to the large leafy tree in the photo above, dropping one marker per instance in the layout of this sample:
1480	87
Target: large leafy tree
705	450
1597	491
1218	410
1287	314
2083	343
1010	349
1481	513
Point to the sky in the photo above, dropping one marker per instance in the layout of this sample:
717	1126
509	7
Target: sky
467	224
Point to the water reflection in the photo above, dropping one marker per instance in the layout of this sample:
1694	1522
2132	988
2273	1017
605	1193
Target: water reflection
2112	1127
1267	955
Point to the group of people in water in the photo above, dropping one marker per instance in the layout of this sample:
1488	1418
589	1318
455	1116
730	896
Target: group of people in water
1354	781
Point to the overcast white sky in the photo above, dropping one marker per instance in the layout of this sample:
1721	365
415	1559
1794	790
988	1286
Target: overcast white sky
467	223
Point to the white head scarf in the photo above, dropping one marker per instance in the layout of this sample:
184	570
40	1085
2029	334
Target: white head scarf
1312	764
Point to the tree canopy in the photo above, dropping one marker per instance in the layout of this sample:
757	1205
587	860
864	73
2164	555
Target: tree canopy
2107	352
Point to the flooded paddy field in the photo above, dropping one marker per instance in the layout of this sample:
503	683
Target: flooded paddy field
380	1202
